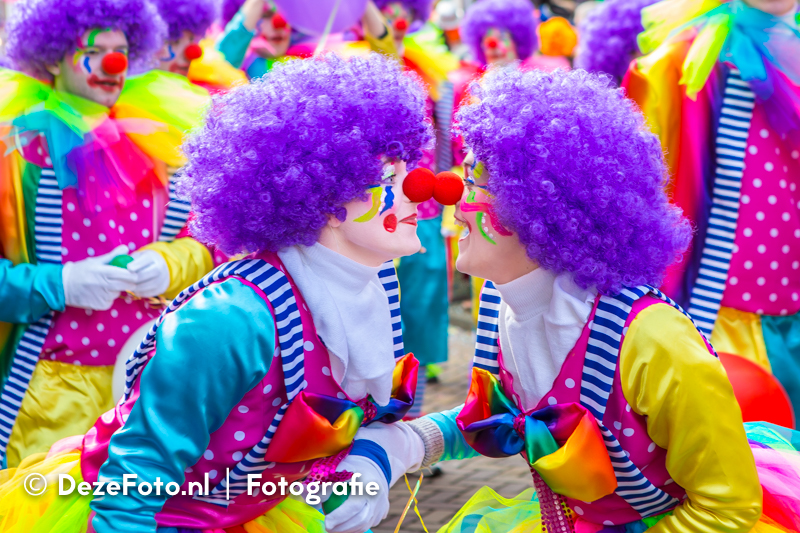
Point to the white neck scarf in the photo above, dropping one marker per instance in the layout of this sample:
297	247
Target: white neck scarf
541	318
351	313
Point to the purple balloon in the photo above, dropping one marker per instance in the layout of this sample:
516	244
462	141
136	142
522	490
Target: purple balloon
311	16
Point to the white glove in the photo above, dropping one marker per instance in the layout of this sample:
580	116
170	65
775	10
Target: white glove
359	513
405	451
93	283
402	445
152	273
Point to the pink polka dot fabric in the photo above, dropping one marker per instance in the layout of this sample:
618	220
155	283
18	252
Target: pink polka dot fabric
428	209
629	428
84	336
244	427
764	275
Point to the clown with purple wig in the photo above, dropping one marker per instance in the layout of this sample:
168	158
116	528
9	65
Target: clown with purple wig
290	362
256	36
720	84
92	236
605	386
187	53
500	31
608	37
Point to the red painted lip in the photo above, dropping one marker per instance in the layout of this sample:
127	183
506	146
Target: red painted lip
108	85
411	220
179	69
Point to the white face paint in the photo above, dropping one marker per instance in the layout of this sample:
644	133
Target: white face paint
81	72
172	56
379	229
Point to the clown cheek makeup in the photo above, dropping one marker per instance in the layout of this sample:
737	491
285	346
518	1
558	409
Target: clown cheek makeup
496	257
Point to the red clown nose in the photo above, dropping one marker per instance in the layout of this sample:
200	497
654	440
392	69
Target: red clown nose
193	51
448	189
418	185
492	42
278	22
421	185
401	24
114	63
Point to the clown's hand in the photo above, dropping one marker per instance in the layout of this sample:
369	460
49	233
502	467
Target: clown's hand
94	284
360	512
152	273
382	453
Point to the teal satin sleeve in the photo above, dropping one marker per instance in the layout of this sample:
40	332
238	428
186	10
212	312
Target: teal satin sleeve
235	41
260	66
210	353
28	292
455	446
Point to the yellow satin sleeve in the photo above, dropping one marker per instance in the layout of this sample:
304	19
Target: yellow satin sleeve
669	377
384	45
63	400
187	260
740	333
653	84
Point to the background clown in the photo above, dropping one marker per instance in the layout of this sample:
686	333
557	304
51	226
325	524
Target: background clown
720	86
83	185
256	36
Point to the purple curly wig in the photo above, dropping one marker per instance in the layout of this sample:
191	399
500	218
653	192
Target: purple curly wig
420	9
277	157
42	32
513	16
195	16
608	37
229	9
577	174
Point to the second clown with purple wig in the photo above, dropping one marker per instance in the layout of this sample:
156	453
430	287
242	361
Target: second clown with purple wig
602	384
291	361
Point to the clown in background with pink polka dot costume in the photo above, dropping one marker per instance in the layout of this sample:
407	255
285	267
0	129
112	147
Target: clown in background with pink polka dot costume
84	181
730	129
288	363
603	384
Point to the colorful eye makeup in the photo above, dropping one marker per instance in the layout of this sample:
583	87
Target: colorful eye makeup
171	55
382	197
483	209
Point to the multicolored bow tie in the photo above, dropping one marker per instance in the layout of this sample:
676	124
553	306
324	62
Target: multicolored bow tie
317	425
562	443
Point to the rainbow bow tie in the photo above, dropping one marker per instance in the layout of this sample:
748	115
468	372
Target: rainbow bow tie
563	442
317	425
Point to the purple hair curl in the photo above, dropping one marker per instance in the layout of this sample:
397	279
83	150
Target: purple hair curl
577	174
42	32
514	16
229	9
195	16
608	37
277	157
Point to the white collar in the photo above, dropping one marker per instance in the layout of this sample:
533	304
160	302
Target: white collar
351	314
541	319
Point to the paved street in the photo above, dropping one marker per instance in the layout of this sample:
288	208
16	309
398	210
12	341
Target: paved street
441	497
